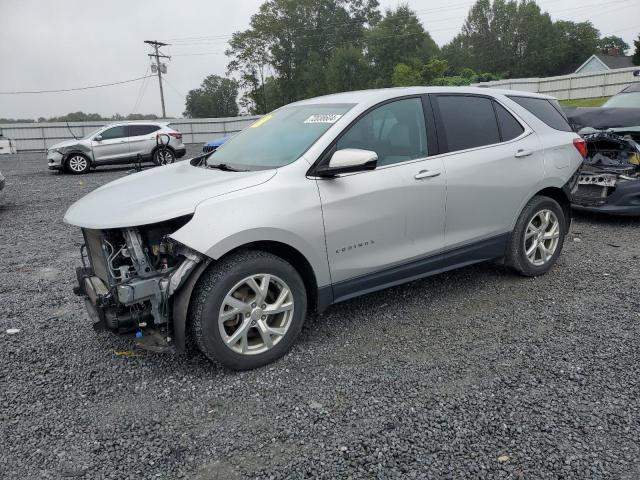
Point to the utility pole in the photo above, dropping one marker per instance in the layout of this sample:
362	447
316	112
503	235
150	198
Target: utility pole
156	46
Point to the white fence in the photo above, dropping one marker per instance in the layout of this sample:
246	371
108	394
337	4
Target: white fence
576	85
40	136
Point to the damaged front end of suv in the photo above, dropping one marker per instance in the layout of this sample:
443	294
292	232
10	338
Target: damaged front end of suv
609	181
129	279
610	178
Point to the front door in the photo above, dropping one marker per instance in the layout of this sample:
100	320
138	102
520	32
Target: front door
112	146
369	216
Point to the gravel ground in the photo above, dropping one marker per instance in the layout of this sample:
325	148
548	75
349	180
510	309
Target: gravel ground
476	373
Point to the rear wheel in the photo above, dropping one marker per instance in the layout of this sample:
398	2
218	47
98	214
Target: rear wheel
164	156
538	237
77	164
248	310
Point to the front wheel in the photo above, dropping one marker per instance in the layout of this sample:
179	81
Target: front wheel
248	309
163	156
77	164
538	237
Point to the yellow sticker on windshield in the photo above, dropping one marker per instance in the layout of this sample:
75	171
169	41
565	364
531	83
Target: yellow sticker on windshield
264	119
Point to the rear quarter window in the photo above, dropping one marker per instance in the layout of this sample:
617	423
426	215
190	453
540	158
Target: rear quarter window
544	110
510	128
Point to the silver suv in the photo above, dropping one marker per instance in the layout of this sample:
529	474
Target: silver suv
321	201
118	143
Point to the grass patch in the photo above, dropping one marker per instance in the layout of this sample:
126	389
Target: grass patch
584	102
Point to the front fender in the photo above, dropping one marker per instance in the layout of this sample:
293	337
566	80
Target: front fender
281	211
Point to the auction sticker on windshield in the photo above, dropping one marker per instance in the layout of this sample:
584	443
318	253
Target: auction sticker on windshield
323	118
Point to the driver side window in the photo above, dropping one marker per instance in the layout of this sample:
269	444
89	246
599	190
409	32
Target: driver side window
395	131
114	132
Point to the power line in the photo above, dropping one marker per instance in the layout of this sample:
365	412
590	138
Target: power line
74	89
141	91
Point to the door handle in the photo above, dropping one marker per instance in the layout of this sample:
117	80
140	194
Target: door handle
523	153
426	174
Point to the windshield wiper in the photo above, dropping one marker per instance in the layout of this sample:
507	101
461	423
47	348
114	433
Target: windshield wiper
226	168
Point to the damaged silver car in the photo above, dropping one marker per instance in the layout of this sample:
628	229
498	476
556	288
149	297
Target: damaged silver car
321	201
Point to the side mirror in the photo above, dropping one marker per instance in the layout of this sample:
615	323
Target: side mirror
348	160
98	138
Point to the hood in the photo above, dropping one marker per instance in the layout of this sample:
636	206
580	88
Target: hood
157	194
602	118
67	143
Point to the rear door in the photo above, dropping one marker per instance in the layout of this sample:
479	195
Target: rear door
492	161
141	139
112	146
367	214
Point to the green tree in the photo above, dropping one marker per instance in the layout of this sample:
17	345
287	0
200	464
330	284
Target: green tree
250	54
517	39
398	38
299	37
347	70
636	54
613	41
576	42
405	76
216	97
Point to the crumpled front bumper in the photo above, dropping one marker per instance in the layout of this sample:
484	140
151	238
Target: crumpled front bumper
54	160
624	200
136	303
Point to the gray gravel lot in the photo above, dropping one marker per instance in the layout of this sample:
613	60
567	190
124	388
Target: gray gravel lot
476	373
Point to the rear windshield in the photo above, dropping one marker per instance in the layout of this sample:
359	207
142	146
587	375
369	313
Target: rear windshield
278	138
545	111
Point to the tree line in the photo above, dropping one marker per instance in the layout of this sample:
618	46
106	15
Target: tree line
296	49
83	117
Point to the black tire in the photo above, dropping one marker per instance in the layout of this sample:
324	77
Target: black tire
164	156
210	292
516	256
77	164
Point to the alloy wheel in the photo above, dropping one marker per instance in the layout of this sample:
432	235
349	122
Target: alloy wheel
165	157
541	237
256	314
78	164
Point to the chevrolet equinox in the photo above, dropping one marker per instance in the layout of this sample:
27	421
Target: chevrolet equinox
321	201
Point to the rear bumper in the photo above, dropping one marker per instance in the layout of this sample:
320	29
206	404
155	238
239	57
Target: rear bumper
624	200
181	152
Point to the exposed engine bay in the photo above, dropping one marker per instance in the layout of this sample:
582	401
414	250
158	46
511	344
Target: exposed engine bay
610	177
129	275
612	160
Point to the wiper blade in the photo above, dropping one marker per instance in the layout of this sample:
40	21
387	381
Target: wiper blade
225	167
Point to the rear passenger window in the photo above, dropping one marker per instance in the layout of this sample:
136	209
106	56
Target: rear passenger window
510	128
545	111
467	121
137	130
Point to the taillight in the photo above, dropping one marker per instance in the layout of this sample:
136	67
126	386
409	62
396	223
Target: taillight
176	135
581	146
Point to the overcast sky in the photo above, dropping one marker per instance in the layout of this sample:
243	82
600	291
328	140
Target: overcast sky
73	43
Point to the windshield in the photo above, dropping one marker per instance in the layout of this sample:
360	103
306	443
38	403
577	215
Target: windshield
278	138
624	100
